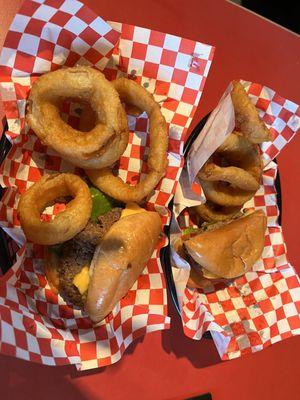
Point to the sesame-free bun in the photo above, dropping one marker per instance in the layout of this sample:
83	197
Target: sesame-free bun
232	249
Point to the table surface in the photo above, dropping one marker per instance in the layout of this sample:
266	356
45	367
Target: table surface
167	365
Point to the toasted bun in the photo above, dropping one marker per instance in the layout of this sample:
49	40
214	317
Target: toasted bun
118	261
232	249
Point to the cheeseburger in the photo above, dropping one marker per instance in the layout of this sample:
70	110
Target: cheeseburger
96	268
224	250
94	249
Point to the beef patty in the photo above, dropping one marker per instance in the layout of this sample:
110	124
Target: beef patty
78	253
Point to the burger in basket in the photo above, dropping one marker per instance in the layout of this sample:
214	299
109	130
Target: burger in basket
100	243
222	251
95	249
224	241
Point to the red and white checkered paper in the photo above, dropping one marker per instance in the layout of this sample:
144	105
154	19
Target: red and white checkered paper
262	307
35	324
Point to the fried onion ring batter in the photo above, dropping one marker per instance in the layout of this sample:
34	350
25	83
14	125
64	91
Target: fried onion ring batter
68	222
132	93
210	212
246	116
84	149
232	174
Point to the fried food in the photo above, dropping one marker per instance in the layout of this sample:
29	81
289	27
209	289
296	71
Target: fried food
225	196
68	222
98	266
246	116
132	110
74	259
88	118
132	93
231	249
99	147
232	174
210	212
109	153
119	259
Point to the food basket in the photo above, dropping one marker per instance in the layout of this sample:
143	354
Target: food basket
260	308
35	325
165	253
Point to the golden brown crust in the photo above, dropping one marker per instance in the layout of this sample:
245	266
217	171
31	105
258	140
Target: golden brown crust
237	163
136	95
119	259
68	222
232	249
246	116
84	149
210	212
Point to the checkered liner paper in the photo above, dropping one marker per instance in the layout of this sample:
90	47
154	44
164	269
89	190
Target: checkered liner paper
262	307
35	324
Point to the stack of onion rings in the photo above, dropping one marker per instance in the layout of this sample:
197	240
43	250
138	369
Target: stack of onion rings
104	133
102	145
135	95
232	175
67	223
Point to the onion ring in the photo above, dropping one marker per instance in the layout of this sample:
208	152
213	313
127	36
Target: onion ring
132	110
132	93
210	212
246	116
225	196
243	176
111	152
88	85
67	223
236	176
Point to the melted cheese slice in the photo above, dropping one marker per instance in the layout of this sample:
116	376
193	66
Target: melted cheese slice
130	209
81	280
209	275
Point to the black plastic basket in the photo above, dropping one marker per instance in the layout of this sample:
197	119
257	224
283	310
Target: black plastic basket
7	245
165	252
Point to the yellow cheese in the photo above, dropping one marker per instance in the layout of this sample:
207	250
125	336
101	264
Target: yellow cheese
209	275
81	280
132	208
